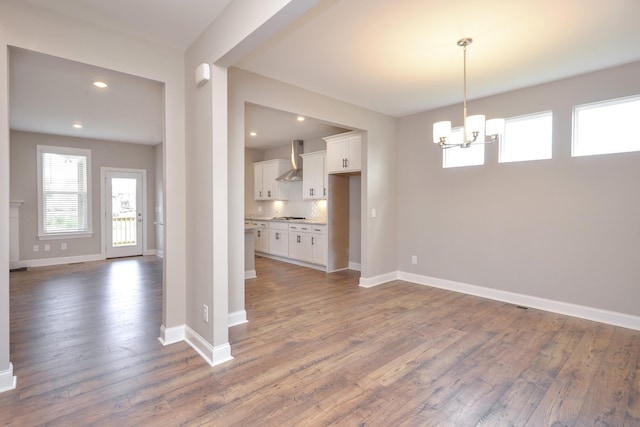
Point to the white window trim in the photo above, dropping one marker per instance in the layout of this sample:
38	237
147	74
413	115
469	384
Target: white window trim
63	150
502	143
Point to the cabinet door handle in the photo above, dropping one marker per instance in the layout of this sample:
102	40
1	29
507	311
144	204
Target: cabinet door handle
312	241
298	239
269	193
258	233
277	236
324	193
346	163
260	193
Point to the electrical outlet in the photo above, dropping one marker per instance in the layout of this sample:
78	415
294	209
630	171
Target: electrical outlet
205	312
374	213
63	246
36	248
414	259
47	247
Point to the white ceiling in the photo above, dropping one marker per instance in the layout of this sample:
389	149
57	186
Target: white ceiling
396	57
400	57
274	128
174	23
50	94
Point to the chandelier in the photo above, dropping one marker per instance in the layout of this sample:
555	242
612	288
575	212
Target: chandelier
475	130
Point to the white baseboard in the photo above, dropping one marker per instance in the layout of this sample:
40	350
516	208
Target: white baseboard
7	380
355	266
238	318
16	264
172	335
250	274
159	253
213	355
568	309
370	282
43	262
148	252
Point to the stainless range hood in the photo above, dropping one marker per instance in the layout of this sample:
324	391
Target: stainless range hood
295	174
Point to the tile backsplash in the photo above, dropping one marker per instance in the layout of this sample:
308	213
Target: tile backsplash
310	209
295	206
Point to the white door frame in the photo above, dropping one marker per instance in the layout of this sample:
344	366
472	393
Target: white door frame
104	204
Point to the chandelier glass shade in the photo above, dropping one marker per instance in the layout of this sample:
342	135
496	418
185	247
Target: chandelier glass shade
476	129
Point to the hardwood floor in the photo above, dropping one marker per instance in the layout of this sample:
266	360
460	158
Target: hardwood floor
318	350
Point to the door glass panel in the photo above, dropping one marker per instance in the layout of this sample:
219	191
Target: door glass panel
123	211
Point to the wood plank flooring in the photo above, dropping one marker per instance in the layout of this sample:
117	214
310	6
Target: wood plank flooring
318	350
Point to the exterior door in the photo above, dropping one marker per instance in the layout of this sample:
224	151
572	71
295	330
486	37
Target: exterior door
124	217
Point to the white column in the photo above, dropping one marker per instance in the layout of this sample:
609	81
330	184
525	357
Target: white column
14	234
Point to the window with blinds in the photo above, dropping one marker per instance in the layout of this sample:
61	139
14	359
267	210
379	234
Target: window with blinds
63	192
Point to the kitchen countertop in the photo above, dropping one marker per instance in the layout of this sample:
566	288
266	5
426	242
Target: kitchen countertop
290	221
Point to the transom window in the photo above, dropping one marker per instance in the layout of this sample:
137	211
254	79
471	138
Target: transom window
527	137
606	127
64	199
457	156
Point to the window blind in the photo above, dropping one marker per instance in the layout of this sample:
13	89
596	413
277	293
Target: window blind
65	198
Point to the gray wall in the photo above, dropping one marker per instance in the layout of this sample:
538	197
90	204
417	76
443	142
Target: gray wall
566	229
23	186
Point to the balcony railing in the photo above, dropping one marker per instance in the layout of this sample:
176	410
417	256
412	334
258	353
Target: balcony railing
124	231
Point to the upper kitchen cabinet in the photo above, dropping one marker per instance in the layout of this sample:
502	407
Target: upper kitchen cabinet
314	181
344	152
265	186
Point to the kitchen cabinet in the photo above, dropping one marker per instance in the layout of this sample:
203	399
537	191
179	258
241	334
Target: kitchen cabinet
319	244
265	186
292	241
300	242
308	243
344	153
261	240
279	239
314	181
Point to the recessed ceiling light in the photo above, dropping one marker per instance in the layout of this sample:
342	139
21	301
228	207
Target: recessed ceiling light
300	119
100	84
252	133
77	125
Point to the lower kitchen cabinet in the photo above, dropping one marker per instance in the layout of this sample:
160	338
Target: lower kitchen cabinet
319	245
294	241
261	241
308	243
279	239
300	242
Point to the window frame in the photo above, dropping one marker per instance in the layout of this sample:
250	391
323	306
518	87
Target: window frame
503	148
81	152
591	106
448	151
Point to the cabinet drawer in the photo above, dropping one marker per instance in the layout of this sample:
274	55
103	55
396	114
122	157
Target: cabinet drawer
320	229
263	225
301	228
